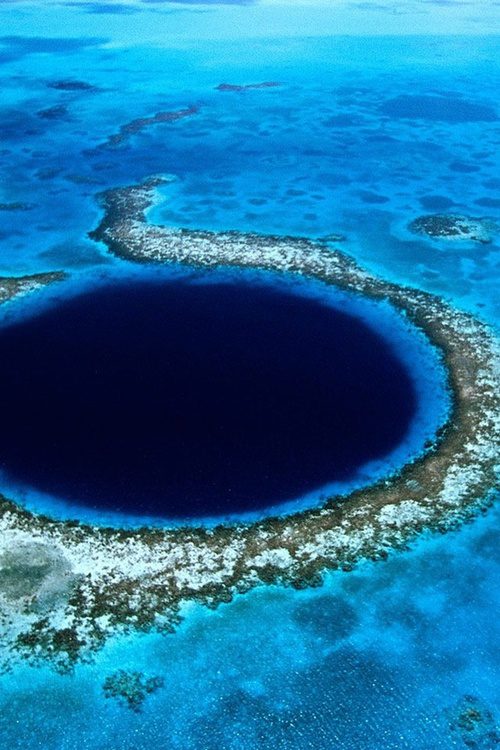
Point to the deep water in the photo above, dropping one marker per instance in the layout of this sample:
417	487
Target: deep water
189	400
366	132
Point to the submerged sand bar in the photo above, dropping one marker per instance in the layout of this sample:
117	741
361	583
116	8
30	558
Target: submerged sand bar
82	583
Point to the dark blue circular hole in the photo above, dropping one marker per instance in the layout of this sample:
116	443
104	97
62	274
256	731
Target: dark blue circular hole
186	400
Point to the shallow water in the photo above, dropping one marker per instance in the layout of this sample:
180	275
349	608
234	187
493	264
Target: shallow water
356	142
377	658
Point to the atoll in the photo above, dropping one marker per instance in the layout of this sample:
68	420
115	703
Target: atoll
118	579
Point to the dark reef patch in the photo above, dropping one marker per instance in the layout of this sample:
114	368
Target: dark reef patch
135	126
187	400
131	688
106	8
438	108
344	121
329	617
17	206
47	173
464	167
488	202
368	196
247	86
71	85
453	227
17	47
435	202
201	2
472	721
58	112
18	123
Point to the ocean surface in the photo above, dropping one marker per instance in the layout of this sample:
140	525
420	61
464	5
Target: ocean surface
368	128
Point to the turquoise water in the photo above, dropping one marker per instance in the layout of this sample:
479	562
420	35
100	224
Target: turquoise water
378	658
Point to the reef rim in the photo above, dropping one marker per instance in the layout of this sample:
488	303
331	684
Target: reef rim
96	581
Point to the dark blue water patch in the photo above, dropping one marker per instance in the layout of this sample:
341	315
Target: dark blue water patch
181	400
58	112
71	85
17	47
488	202
200	2
330	617
492	184
381	138
18	124
367	196
74	255
439	108
464	167
345	121
436	202
106	8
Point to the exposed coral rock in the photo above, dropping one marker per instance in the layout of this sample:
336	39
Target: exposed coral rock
12	286
453	227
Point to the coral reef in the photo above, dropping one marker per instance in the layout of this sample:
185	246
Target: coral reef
131	688
247	87
472	721
57	112
16	206
436	108
135	126
453	227
11	286
71	85
140	578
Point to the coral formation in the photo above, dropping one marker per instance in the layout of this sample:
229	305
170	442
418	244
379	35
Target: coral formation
248	86
474	723
453	227
135	126
131	688
71	85
140	578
